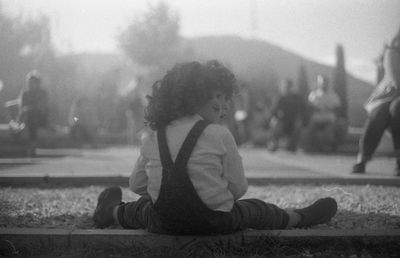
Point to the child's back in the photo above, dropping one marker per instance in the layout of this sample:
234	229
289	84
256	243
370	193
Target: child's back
215	166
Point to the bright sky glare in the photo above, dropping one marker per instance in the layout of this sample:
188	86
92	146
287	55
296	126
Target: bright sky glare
310	28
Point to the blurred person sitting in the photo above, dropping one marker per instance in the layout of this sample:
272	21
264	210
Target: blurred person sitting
324	103
33	110
287	116
383	107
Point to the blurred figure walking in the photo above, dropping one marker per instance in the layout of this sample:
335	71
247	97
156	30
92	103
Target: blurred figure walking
34	108
383	107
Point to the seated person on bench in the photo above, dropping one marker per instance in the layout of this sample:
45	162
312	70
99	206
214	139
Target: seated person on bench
324	103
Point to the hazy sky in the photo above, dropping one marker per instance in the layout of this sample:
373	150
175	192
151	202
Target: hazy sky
310	28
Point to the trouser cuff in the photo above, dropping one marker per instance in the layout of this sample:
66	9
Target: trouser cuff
120	215
285	219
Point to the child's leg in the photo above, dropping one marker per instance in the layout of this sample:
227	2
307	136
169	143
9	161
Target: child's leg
256	214
136	215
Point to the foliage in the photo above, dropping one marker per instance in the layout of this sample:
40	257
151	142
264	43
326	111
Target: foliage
24	45
153	39
302	82
340	82
21	39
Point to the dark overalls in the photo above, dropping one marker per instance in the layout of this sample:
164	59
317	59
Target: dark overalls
179	209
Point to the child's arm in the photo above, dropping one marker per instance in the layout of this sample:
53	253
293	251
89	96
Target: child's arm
233	168
138	178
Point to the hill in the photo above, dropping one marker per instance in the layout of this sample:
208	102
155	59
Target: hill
256	60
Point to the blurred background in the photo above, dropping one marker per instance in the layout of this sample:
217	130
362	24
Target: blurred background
98	59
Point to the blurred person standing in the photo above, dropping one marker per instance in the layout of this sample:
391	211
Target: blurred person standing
324	103
383	107
34	108
288	114
258	124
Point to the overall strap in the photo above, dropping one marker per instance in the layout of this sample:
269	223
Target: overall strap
186	148
189	143
165	156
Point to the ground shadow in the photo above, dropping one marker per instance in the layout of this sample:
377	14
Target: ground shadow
344	219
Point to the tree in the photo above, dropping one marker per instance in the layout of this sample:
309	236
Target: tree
153	40
302	82
340	86
24	45
340	82
303	90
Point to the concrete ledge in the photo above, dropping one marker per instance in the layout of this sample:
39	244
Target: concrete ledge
325	180
76	238
62	181
260	181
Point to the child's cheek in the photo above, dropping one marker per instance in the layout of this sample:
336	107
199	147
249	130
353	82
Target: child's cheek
223	114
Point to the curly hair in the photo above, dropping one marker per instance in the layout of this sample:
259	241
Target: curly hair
184	88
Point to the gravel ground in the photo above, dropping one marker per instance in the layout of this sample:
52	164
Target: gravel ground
360	207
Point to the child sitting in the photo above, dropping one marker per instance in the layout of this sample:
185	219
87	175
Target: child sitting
189	173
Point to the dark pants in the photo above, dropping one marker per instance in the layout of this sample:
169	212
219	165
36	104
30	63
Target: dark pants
34	120
386	116
33	127
33	130
80	134
287	128
247	213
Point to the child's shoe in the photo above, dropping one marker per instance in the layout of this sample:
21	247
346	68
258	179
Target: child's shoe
319	212
107	200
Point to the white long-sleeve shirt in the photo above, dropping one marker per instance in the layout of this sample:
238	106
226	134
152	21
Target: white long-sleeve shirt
215	166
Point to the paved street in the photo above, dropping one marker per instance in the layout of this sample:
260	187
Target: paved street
119	161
